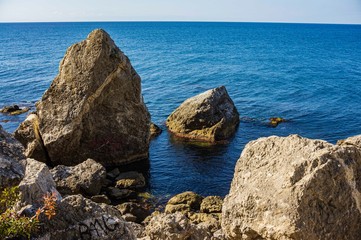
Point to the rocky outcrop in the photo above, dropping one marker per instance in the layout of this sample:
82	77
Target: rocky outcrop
81	218
93	108
11	154
294	188
210	116
85	178
36	183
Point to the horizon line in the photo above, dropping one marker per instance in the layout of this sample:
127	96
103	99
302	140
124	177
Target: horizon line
177	21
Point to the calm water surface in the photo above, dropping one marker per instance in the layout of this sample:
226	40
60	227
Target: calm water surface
309	74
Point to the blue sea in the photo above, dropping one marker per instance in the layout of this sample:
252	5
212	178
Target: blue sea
309	74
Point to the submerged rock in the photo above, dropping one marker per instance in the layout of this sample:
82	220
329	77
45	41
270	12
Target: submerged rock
85	178
274	121
94	107
210	116
14	110
154	130
11	155
294	188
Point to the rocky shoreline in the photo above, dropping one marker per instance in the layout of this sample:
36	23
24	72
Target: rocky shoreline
92	121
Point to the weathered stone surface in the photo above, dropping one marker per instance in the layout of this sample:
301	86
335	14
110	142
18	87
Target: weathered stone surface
81	218
174	226
210	116
85	178
94	107
36	183
183	208
100	199
212	204
135	209
294	188
118	194
130	180
354	141
191	199
11	154
138	229
154	130
28	134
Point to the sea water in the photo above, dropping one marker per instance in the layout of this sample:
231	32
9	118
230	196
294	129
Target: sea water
309	74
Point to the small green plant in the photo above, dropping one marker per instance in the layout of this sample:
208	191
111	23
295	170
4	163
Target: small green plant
12	224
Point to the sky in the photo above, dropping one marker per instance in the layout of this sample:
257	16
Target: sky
301	11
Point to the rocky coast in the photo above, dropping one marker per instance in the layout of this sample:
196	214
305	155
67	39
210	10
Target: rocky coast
92	121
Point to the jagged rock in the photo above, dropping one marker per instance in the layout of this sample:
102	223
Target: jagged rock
135	209
174	227
354	141
28	134
81	218
294	188
130	180
85	178
212	204
36	183
100	199
154	130
11	156
94	107
191	199
210	116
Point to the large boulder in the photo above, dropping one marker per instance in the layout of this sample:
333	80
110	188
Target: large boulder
210	116
11	155
80	218
294	188
93	108
85	178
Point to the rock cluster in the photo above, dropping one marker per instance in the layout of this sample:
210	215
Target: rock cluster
210	116
93	109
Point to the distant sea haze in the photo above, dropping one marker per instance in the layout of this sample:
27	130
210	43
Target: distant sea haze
309	74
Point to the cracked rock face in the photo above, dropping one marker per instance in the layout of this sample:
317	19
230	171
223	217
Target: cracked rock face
93	109
294	188
11	155
210	116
